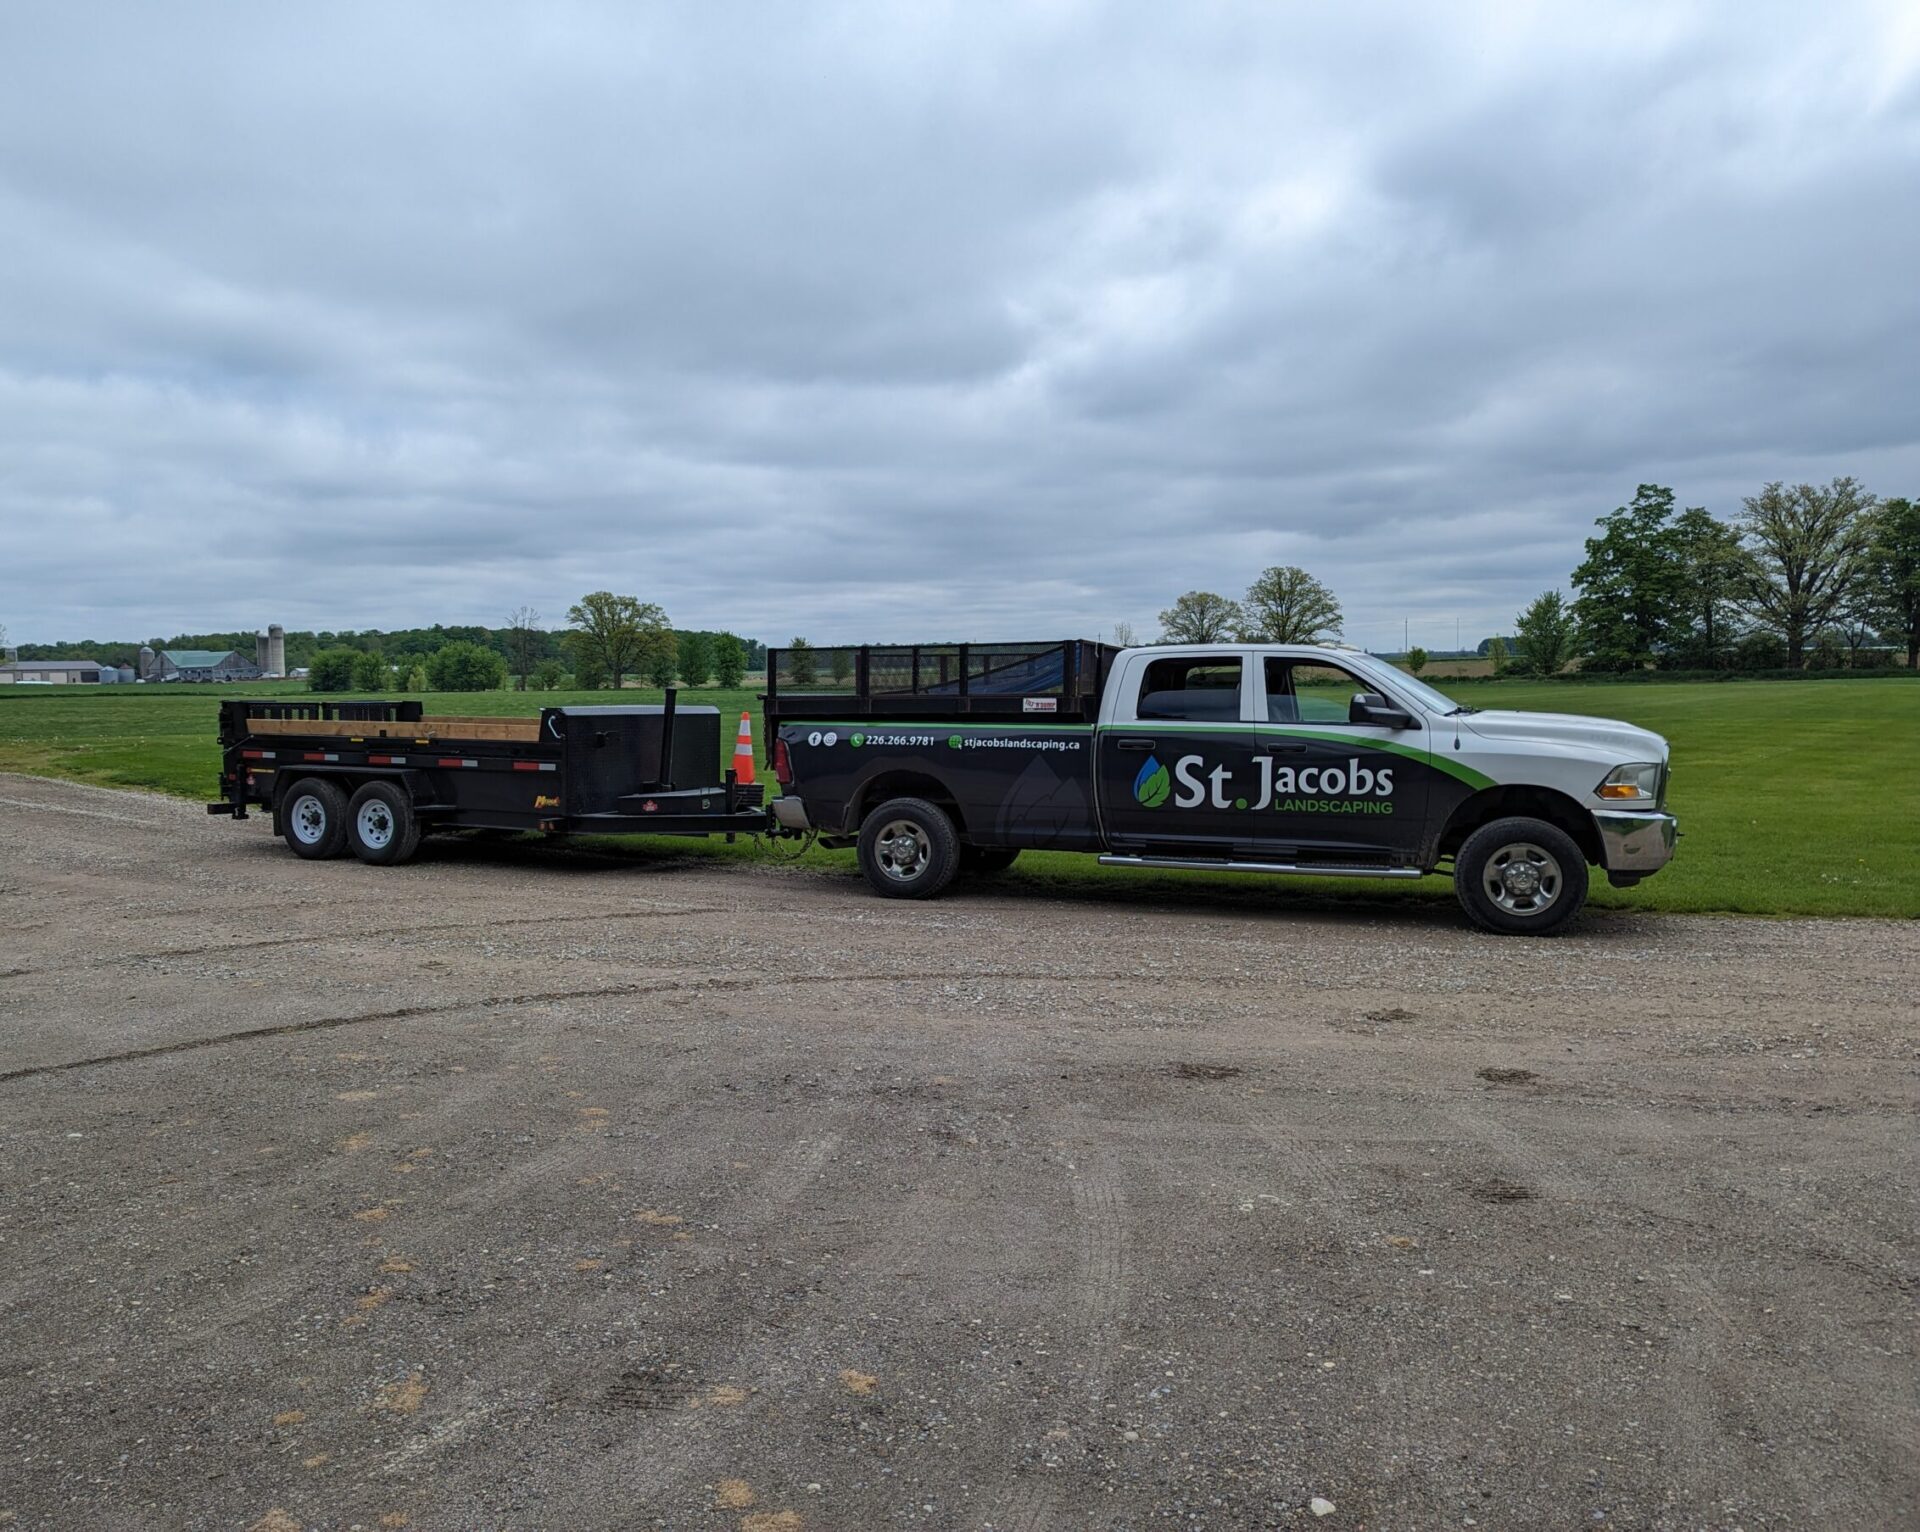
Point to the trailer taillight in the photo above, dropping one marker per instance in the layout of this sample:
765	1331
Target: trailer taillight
782	764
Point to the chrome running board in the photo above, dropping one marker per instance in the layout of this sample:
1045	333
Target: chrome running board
1196	864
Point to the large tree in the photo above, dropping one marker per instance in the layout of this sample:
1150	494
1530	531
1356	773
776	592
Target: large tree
464	667
729	661
1713	563
696	658
1806	554
1631	583
1893	571
1199	617
662	664
525	643
1286	605
1543	635
614	635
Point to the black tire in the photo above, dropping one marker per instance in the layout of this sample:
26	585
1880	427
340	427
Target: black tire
313	819
984	861
382	828
901	871
1520	877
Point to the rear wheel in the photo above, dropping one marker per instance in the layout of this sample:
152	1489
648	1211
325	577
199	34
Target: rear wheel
908	849
313	819
382	828
1521	877
986	860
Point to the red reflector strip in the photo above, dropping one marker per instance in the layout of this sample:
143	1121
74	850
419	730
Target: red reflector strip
534	766
256	755
386	760
450	761
319	755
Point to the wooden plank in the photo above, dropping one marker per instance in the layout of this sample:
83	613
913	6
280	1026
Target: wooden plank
524	731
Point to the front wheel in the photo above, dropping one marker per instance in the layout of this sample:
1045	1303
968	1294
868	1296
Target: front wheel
1520	877
908	849
382	828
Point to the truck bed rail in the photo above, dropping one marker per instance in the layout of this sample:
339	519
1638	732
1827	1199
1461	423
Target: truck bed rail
1055	679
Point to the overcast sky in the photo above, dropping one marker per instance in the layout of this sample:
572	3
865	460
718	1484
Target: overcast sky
925	321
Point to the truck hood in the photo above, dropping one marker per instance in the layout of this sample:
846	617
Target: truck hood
1618	742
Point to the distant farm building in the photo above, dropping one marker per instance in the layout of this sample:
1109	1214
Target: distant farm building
56	673
198	665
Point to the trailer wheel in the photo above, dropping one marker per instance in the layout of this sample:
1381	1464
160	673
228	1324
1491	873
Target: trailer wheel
908	849
313	819
984	861
1520	877
382	828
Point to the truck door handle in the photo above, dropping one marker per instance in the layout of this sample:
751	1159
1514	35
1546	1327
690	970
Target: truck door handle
1135	744
1283	749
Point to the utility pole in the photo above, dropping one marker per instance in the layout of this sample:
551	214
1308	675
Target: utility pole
1406	642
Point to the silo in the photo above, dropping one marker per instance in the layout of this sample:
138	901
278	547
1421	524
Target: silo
124	673
146	661
260	650
276	650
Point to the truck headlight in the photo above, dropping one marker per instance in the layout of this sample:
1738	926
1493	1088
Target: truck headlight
1636	782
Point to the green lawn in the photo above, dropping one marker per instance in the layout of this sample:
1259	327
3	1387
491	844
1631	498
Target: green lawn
1794	798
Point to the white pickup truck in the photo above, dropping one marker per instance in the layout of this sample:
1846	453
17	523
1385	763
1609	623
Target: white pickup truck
1275	758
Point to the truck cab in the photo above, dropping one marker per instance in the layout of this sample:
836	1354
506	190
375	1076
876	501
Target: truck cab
1269	758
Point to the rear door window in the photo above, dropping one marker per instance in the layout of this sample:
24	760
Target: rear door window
1194	689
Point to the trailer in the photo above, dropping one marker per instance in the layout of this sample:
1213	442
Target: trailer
372	777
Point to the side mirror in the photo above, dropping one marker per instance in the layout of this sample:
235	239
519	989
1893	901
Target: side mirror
1371	707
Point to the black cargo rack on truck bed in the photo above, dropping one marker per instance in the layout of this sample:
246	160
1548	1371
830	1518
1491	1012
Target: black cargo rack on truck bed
1055	679
370	777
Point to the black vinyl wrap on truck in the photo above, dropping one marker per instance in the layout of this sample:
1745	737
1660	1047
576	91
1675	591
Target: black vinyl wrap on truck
940	724
1024	785
1072	787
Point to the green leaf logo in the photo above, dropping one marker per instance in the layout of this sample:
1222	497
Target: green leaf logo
1153	784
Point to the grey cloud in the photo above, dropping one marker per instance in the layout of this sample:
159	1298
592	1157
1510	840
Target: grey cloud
888	322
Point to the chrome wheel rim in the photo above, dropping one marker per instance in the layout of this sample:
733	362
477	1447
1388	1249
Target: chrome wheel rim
903	850
1523	879
309	819
375	824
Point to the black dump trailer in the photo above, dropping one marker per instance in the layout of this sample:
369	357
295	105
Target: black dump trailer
371	777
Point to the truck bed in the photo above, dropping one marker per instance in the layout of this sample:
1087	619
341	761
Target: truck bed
1043	680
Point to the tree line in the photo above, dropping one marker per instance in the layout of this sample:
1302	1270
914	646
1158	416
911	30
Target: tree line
609	638
1805	576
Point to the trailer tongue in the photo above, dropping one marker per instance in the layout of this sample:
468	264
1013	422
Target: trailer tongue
371	777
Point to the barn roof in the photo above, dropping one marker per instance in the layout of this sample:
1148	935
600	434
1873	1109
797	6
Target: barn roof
198	659
44	665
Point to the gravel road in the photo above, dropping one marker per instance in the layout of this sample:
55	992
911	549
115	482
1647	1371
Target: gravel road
526	1188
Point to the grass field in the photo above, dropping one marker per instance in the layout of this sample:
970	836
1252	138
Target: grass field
1793	798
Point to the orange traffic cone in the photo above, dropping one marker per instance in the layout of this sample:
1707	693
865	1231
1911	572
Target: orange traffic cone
743	750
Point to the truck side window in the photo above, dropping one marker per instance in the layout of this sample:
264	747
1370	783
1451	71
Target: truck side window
1199	688
1303	691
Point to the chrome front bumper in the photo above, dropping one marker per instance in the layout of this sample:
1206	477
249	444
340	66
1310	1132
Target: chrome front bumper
1636	842
791	814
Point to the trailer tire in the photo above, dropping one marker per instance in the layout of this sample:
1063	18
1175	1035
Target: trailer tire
908	849
984	861
313	819
382	828
1520	877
